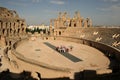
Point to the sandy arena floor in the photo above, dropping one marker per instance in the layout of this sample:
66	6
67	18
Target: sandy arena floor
81	57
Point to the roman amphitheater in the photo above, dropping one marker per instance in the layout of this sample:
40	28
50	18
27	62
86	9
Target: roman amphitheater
72	49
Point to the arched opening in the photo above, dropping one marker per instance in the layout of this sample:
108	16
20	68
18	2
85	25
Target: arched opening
14	32
59	32
18	30
14	24
9	42
22	25
10	25
3	31
6	25
10	30
22	29
74	25
0	37
69	25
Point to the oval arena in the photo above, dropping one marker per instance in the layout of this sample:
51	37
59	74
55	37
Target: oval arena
43	53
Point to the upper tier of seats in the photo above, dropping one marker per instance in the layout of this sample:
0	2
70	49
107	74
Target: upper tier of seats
109	36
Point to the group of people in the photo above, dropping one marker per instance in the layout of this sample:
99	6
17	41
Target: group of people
63	49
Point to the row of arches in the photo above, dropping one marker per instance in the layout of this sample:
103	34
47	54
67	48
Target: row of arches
13	25
7	32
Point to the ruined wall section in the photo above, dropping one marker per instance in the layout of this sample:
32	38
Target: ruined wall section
11	26
64	21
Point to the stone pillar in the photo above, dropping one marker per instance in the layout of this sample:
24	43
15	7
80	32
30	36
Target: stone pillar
12	32
78	23
55	23
19	24
12	24
16	25
8	32
72	23
4	25
5	32
60	23
85	23
8	26
23	26
3	41
0	25
90	23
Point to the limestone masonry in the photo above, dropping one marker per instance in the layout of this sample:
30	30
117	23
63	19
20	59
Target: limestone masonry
63	21
11	26
70	49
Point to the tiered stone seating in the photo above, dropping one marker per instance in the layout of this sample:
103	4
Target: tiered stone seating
109	36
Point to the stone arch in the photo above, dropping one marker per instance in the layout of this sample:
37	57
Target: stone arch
14	24
6	25
10	42
60	32
6	43
14	32
10	24
22	25
18	30
10	30
22	29
3	31
0	37
70	24
75	25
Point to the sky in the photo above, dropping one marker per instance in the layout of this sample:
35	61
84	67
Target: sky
36	12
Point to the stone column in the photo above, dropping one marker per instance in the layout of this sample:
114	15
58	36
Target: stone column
5	32
23	27
60	23
90	23
12	24
0	25
4	25
8	25
57	22
78	23
85	23
16	25
72	23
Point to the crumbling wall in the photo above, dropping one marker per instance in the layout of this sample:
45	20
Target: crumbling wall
11	26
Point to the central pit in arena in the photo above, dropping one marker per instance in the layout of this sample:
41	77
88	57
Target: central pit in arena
81	57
